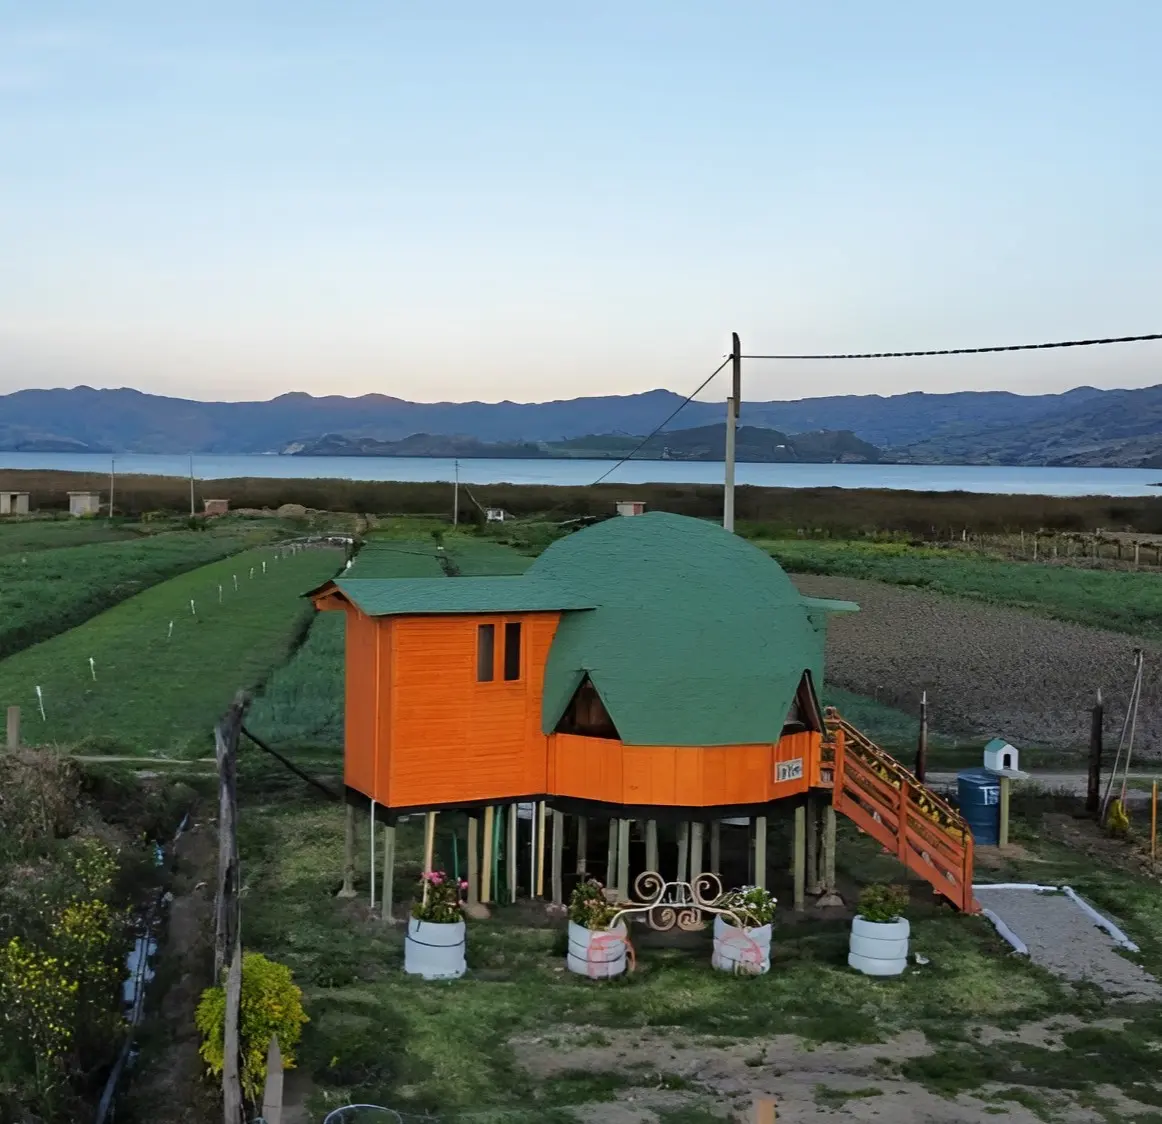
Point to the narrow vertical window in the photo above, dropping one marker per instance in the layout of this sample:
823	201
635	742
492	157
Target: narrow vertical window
512	650
485	647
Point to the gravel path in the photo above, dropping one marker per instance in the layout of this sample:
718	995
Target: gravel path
1064	939
986	668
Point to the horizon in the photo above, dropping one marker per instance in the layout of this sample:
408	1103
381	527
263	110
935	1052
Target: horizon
538	205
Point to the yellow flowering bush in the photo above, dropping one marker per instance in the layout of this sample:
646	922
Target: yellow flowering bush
271	1004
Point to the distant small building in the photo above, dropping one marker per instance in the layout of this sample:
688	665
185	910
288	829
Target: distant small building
495	515
13	503
631	507
217	507
84	503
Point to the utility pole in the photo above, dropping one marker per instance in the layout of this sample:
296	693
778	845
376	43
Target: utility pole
922	744
1096	729
191	485
112	483
732	405
456	497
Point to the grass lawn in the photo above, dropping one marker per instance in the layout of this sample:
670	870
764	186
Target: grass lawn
457	1049
154	693
1114	599
22	535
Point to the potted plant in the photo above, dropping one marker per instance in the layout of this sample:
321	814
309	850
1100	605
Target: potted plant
879	932
434	945
595	950
746	949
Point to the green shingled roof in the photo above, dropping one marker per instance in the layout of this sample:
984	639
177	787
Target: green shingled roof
698	638
382	597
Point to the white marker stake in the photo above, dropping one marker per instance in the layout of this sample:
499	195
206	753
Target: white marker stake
193	609
235	583
40	701
170	636
219	593
93	668
264	565
252	571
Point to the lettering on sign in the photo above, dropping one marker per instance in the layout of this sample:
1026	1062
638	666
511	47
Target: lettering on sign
789	770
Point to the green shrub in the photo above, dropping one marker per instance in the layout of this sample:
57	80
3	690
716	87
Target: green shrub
883	903
271	1004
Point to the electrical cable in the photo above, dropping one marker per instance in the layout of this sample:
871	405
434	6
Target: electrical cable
970	350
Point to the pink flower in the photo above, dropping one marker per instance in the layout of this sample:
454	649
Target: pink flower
463	883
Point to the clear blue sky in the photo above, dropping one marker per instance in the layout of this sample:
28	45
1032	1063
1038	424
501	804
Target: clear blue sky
541	200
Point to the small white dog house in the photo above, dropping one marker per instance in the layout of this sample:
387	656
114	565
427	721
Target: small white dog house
1000	757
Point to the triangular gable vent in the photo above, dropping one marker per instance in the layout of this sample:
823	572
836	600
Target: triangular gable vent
586	714
804	713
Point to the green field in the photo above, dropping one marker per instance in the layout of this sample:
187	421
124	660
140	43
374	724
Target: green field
1114	599
154	693
17	535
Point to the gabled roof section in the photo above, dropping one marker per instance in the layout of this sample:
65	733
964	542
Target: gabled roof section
383	597
698	638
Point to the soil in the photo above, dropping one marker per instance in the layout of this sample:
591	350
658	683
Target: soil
986	668
807	1082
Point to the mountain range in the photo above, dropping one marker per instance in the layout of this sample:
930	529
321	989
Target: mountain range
1084	426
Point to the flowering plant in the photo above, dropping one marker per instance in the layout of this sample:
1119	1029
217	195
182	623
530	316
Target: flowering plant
589	907
439	898
752	905
883	903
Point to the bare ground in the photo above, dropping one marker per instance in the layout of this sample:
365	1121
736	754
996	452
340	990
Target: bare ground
986	668
808	1083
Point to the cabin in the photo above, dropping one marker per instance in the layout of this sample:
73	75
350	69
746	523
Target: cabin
84	503
642	669
14	503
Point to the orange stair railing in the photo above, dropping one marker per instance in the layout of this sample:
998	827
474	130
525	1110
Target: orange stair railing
873	790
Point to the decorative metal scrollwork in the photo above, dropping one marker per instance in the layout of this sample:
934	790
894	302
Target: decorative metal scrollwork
683	905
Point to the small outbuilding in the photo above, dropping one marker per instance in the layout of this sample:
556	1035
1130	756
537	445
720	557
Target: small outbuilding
217	507
13	503
84	503
631	507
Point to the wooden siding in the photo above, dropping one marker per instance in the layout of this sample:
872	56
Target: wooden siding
362	702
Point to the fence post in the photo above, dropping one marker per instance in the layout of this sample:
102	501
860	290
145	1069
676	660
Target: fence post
272	1093
14	727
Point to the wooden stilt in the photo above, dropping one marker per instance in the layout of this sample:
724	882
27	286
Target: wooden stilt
760	851
683	852
830	896
611	855
348	890
800	856
429	847
812	843
583	846
535	844
716	847
387	904
623	857
652	845
1006	792
558	874
486	871
697	833
473	861
512	852
540	813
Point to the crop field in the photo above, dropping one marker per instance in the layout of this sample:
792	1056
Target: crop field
148	690
18	535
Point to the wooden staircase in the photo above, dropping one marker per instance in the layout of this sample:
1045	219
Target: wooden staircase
884	799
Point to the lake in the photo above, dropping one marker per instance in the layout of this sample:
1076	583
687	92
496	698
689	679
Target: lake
928	478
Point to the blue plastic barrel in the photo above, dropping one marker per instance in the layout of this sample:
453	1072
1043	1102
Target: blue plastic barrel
980	804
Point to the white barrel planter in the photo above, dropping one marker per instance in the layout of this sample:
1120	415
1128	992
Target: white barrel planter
434	949
878	948
599	954
746	952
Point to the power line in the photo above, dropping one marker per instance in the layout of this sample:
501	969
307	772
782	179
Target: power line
641	444
967	350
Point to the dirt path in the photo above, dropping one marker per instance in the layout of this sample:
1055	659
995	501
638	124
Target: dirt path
986	668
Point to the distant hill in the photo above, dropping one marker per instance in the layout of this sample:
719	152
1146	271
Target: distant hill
706	443
1084	426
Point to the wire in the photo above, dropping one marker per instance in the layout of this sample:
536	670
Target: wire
969	350
641	444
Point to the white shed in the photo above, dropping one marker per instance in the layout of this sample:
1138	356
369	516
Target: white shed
84	503
13	503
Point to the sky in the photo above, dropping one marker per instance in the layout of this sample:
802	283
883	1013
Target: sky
533	201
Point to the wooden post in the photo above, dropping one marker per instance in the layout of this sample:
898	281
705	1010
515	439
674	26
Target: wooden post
764	1111
272	1091
227	911
812	843
732	408
231	1040
1093	788
557	871
829	849
1137	555
697	834
623	857
611	855
429	848
800	850
348	888
1003	833
539	812
921	769
683	851
716	847
513	838
760	851
1154	824
387	890
486	860
473	861
652	845
583	846
14	727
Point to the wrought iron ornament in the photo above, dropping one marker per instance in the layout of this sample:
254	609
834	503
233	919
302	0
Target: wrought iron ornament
683	905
